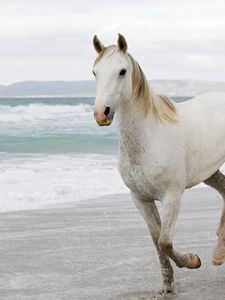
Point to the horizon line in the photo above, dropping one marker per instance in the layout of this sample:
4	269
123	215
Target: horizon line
92	80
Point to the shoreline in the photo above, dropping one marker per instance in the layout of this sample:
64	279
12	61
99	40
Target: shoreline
62	205
100	249
71	204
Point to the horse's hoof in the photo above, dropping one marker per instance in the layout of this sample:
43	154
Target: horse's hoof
218	260
165	294
219	251
195	262
167	291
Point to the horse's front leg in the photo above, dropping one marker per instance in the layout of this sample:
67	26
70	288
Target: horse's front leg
171	207
150	214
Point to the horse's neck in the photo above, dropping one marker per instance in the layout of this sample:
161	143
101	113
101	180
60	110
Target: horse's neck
132	128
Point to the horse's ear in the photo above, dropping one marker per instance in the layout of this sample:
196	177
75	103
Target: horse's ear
121	43
97	44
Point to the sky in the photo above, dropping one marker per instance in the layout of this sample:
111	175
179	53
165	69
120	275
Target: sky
52	40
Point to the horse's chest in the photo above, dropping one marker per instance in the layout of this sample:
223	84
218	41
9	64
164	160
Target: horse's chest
137	177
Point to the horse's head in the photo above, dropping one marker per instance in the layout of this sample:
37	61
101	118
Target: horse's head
113	72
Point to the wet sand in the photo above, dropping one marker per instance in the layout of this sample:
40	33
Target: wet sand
101	250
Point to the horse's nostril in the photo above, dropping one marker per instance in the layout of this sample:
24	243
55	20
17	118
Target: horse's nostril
107	110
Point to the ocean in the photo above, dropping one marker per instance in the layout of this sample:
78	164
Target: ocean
52	152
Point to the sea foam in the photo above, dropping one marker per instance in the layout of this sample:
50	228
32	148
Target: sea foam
35	181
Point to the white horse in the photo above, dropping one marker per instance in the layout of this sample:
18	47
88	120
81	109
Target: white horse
164	148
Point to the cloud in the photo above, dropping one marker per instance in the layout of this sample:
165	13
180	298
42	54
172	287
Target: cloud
52	39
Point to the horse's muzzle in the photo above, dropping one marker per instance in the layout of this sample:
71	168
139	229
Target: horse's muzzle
102	118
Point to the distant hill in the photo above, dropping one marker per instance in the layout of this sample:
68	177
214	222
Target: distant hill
48	88
87	88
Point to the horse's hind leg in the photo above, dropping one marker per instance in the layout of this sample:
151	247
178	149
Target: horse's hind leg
217	181
222	220
150	214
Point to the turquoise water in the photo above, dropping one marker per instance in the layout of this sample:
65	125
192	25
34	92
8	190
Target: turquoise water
53	125
52	151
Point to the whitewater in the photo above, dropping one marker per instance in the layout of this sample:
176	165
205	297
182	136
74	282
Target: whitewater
52	152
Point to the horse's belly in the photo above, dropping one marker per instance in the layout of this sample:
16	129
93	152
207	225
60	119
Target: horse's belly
206	142
201	169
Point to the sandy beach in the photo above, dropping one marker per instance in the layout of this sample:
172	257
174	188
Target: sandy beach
100	250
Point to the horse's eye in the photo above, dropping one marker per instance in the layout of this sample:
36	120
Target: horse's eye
94	73
123	72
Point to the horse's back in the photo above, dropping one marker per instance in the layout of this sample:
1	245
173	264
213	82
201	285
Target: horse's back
209	99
